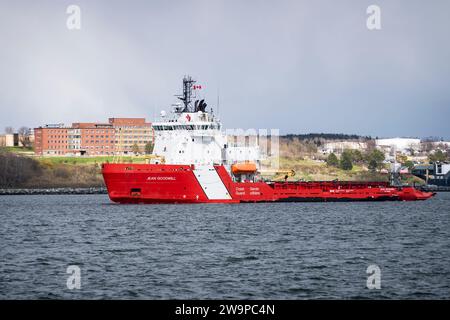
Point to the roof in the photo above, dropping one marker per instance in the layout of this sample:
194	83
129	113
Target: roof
423	167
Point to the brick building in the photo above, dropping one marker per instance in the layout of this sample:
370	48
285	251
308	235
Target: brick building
131	132
92	139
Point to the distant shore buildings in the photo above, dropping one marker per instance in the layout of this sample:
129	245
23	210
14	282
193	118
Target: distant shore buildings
338	147
121	136
15	139
403	145
118	136
412	149
9	140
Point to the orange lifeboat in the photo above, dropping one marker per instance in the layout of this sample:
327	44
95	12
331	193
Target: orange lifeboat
243	168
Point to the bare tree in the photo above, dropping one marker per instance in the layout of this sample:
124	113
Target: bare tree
24	136
427	146
9	130
371	145
442	146
411	149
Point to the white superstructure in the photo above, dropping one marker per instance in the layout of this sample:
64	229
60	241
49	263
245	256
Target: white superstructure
191	135
189	138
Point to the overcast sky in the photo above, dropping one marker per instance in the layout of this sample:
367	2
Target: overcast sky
300	66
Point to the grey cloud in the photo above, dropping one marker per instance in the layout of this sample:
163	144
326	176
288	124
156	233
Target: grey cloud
301	66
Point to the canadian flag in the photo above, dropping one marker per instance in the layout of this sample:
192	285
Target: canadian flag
197	87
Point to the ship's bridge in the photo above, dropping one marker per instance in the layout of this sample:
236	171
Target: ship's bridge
189	138
190	121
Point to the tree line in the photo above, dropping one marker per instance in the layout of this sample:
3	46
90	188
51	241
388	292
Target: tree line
327	136
373	159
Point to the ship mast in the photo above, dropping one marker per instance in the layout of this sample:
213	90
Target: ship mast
188	82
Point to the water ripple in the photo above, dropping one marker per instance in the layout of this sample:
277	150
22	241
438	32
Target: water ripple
248	251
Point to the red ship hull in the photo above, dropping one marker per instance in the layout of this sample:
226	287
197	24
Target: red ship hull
159	183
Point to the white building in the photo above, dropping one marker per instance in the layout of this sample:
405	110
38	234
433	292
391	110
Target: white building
402	145
339	146
9	140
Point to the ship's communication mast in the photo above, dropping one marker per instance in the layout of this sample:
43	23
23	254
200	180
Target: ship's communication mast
186	98
188	82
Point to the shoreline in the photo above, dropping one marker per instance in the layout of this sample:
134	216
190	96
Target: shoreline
53	191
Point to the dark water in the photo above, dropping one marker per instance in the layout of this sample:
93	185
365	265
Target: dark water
250	251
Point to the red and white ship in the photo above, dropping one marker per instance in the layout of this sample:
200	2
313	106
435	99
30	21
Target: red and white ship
193	163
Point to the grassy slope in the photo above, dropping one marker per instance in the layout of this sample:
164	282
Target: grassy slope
73	171
312	170
88	160
18	150
67	175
